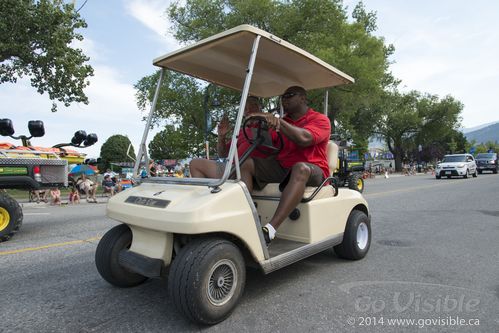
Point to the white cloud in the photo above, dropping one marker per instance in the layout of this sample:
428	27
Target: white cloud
152	14
112	110
445	48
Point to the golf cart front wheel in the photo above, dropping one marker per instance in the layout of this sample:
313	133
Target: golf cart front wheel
207	280
11	217
357	237
107	254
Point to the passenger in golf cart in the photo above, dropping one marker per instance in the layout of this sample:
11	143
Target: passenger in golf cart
203	168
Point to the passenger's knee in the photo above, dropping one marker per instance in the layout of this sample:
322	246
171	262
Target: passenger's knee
248	166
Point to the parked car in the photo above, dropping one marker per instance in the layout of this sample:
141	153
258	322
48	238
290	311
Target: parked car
487	161
461	165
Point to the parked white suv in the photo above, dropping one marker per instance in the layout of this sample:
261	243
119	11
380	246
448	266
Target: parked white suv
456	165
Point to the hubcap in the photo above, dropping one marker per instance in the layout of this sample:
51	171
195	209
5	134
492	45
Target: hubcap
359	184
4	218
362	235
222	282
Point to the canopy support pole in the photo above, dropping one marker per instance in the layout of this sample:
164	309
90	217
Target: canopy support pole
235	135
142	153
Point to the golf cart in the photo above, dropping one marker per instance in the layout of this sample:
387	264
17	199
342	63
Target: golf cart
202	233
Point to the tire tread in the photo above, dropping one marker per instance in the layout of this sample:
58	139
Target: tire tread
16	216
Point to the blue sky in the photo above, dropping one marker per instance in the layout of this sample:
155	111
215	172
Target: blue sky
441	47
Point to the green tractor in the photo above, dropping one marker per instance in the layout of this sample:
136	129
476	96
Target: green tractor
350	170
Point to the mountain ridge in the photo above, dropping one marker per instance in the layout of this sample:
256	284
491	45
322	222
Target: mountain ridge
484	134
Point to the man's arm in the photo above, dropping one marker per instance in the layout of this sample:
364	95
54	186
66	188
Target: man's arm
298	135
223	128
301	136
222	146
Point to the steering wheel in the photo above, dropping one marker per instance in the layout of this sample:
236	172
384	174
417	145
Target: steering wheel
261	127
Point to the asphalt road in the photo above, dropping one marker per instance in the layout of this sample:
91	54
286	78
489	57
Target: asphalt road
434	259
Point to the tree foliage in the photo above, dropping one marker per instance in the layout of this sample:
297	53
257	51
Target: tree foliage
173	143
409	120
183	103
36	39
115	150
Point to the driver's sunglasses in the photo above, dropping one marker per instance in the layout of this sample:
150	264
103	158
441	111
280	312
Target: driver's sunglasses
288	95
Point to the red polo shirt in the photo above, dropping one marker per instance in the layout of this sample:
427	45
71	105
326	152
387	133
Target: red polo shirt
319	126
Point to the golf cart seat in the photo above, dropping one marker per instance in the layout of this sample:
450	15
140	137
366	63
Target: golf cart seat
272	190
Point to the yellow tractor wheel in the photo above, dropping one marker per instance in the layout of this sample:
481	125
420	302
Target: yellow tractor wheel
11	217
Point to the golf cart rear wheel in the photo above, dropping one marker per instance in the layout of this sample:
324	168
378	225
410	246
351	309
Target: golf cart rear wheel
106	258
11	217
355	182
357	237
207	280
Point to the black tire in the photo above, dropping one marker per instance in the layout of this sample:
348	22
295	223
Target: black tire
106	258
351	248
11	217
494	171
192	285
438	177
480	171
466	174
355	182
475	174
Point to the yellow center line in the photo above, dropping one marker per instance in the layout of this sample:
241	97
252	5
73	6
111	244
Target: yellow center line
48	246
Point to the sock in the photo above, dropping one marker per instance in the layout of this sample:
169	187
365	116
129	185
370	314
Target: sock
271	230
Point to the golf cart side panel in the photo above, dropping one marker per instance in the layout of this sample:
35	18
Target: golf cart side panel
152	244
327	217
191	210
279	65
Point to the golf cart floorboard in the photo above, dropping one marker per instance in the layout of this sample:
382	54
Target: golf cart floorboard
284	252
280	246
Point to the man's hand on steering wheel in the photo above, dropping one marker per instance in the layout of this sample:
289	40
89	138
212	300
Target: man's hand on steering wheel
261	122
272	120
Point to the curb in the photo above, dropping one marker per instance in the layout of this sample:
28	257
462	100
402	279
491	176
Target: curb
63	204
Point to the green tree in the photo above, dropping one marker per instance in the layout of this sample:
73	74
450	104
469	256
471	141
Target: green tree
412	119
398	124
174	143
115	150
35	41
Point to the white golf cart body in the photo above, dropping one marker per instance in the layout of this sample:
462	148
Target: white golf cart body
164	210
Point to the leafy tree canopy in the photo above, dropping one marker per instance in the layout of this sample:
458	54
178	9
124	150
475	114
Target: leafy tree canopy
115	150
411	119
36	39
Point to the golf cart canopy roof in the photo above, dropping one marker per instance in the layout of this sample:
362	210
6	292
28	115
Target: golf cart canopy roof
223	60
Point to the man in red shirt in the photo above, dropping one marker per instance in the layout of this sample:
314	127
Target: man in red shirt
203	168
302	161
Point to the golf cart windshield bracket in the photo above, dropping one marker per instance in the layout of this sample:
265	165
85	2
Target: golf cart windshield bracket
233	147
142	148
